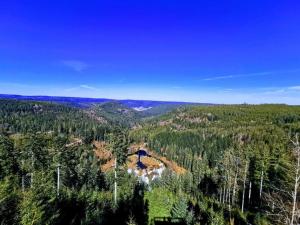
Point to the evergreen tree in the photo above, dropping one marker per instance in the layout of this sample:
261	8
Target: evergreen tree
180	209
38	205
119	145
8	157
9	201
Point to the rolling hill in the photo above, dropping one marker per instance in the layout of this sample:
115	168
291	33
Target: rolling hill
87	102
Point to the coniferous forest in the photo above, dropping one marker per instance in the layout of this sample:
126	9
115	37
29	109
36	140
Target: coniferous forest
240	163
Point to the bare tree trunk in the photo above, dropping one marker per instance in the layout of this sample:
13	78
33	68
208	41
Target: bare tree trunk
115	192
261	183
294	203
229	198
234	188
58	180
32	165
244	187
229	190
297	179
224	193
250	190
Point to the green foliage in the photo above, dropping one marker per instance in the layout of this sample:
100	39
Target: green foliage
260	220
8	156
32	117
216	218
180	208
160	202
119	143
34	153
222	148
88	169
218	144
38	205
95	207
9	201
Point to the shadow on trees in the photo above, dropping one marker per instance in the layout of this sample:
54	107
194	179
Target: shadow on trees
74	209
134	208
208	186
167	221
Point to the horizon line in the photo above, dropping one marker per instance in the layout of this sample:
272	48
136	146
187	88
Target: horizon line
103	98
149	100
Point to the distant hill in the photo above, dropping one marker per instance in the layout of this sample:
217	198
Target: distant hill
116	113
73	101
112	112
32	116
87	102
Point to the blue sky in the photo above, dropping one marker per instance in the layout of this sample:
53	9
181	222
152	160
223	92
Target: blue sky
200	51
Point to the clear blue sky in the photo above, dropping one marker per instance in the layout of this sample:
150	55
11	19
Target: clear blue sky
200	51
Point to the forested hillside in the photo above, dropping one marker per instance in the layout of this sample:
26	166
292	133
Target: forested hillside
241	165
49	173
31	117
115	113
241	158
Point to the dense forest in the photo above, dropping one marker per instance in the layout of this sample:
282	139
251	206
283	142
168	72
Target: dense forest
242	165
20	117
243	160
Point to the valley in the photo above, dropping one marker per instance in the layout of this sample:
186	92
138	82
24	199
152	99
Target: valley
195	164
149	112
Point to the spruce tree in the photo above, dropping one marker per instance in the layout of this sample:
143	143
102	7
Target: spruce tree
180	209
8	157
